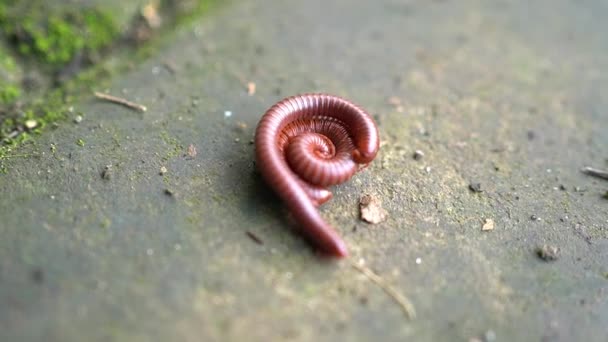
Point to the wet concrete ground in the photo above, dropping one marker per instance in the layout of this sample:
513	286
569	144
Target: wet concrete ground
509	95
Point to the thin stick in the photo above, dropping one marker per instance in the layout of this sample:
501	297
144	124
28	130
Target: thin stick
405	304
595	172
121	101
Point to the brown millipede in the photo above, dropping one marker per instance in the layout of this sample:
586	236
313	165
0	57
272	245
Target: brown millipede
306	143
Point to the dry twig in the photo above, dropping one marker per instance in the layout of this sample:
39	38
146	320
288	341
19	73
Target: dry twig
405	304
595	172
121	101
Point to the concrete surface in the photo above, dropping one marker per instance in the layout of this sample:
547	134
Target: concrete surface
506	94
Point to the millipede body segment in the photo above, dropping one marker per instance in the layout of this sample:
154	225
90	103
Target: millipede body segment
306	143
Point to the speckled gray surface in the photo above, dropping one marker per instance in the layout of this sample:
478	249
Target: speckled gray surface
505	94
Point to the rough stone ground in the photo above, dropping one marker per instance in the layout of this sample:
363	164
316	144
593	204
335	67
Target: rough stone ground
506	94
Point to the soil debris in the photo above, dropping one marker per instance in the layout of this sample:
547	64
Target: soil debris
106	173
371	209
37	275
547	253
475	187
254	238
418	155
488	225
240	127
191	153
396	102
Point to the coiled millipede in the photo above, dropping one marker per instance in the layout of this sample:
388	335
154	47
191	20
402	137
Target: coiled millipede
306	143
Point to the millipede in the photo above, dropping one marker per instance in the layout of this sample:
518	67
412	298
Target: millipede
306	143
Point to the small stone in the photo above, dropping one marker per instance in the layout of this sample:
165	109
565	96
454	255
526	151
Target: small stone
488	225
169	192
227	114
548	253
418	261
535	218
30	124
418	155
475	187
78	119
106	173
371	209
163	170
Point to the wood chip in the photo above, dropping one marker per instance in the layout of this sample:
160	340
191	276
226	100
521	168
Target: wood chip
251	88
371	209
488	225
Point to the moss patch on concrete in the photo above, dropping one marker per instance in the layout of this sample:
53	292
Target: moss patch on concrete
55	37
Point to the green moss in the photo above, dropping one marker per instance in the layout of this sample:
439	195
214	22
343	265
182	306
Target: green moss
51	38
9	94
80	142
57	37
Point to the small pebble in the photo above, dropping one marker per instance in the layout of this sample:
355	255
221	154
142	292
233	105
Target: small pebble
418	261
163	170
78	119
548	253
488	225
535	218
371	209
227	114
30	124
475	187
418	155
